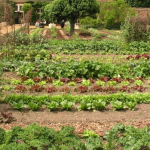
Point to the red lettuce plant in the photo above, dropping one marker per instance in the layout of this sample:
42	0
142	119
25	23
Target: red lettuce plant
81	89
110	89
145	56
24	78
97	88
129	57
51	89
125	89
49	79
92	80
138	56
138	88
116	79
64	80
77	80
6	118
20	88
105	79
37	79
36	88
65	89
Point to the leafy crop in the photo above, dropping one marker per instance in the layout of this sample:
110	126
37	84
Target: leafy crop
42	83
85	102
100	83
7	87
89	133
138	82
36	88
51	89
29	82
125	83
37	79
72	83
86	83
15	82
112	83
57	83
20	88
6	118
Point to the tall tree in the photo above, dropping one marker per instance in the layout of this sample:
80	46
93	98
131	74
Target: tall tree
72	10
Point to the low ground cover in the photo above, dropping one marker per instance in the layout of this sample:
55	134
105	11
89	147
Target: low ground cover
45	138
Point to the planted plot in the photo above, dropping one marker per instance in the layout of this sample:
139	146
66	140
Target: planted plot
48	138
75	76
85	102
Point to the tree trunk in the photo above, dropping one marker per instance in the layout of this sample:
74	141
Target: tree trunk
72	27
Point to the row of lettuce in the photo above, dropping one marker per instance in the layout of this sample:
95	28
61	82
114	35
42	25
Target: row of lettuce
42	138
81	69
118	101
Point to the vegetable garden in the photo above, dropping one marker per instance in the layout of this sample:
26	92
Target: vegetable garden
75	76
88	92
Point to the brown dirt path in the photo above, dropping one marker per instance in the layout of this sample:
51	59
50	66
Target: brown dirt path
8	29
99	121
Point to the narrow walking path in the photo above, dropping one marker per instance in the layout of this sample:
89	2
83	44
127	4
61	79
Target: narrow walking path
63	34
8	29
44	32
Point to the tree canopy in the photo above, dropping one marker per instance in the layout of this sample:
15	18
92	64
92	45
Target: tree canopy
138	3
72	10
26	7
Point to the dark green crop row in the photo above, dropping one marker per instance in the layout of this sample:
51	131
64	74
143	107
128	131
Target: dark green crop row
35	137
80	69
67	102
104	46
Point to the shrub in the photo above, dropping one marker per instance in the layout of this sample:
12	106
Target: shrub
89	22
113	13
136	29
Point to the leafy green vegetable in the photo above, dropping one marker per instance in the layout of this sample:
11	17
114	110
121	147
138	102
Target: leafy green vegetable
2	135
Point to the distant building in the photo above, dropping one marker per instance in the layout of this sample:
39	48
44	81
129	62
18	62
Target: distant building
18	9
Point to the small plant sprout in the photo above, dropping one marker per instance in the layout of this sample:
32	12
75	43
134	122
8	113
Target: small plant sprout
138	82
86	82
7	88
72	83
29	82
112	83
42	83
15	82
57	83
125	83
100	83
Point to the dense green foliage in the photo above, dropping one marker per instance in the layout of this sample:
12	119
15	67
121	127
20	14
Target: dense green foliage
113	13
89	22
26	7
36	137
136	29
36	6
82	69
72	10
2	134
138	3
42	138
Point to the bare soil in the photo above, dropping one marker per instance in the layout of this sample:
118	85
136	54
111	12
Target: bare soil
98	121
